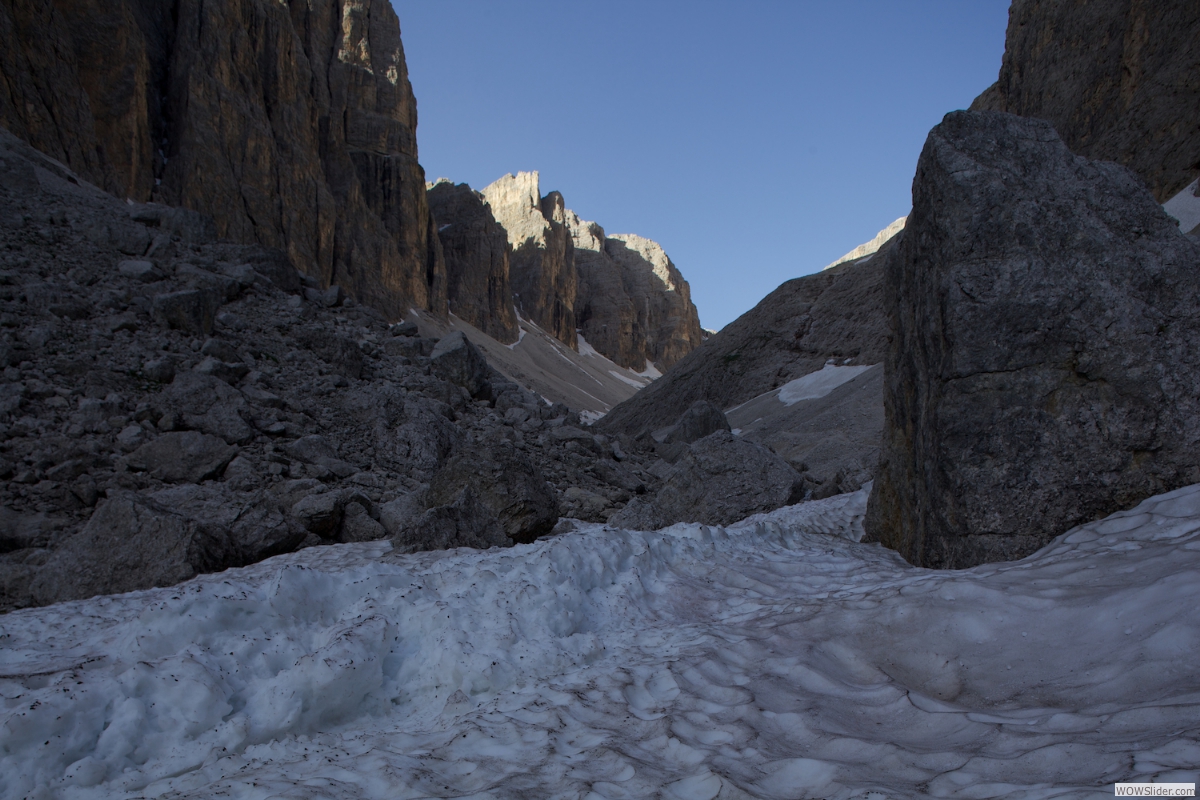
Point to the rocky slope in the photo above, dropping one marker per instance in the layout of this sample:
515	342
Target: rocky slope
835	314
290	126
1117	78
1042	369
171	404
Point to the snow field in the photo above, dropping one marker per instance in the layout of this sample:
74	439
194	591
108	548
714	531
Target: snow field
776	658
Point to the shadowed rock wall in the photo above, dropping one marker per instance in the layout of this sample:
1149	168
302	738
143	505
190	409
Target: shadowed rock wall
477	256
1042	370
1117	78
290	124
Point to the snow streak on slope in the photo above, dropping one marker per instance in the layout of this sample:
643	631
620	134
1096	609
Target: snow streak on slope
777	658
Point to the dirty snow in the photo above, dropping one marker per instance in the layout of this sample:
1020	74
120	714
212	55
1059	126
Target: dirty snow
776	658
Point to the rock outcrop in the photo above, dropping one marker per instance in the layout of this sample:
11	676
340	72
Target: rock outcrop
1043	369
834	314
1117	78
633	304
622	293
719	480
477	256
291	127
542	271
140	446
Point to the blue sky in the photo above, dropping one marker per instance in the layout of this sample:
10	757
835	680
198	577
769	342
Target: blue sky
755	141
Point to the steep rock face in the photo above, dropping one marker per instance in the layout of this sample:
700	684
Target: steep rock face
633	305
1042	370
1117	78
834	314
542	267
292	126
477	256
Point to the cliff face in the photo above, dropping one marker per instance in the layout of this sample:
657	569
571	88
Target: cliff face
1116	78
633	304
477	256
543	273
291	124
621	292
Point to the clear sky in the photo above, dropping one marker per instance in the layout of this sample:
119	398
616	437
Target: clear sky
756	141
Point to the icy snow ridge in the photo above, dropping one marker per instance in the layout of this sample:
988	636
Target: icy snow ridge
776	658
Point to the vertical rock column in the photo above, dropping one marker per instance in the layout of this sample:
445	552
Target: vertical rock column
543	264
1042	370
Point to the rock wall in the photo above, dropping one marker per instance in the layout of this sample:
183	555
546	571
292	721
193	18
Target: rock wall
1117	78
542	269
621	292
1042	370
633	304
292	125
477	256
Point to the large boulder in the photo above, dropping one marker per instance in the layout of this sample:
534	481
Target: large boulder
1043	369
133	542
183	456
208	404
464	522
721	479
460	362
506	482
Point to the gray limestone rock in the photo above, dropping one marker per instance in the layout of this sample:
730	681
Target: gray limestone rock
1115	77
130	543
633	305
477	256
464	522
1043	369
460	362
186	456
721	479
505	481
210	405
542	267
701	419
190	310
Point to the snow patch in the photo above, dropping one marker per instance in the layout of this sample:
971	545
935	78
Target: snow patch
818	384
590	417
585	349
651	371
1185	207
631	381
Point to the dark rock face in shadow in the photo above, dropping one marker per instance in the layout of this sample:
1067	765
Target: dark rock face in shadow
1116	78
1042	370
294	129
477	256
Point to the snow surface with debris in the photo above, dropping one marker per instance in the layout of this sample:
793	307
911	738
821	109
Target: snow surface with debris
776	658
